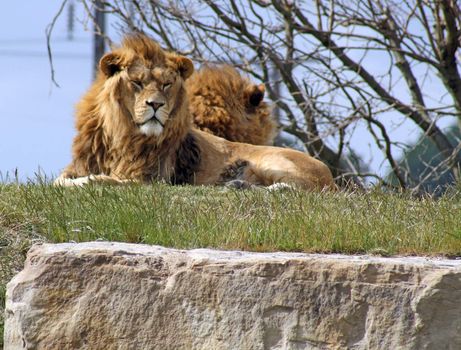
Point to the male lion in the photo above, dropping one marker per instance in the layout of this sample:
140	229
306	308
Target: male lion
134	125
224	103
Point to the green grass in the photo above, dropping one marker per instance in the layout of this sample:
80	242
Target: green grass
191	217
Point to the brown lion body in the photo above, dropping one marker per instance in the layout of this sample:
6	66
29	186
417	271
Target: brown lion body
134	124
230	106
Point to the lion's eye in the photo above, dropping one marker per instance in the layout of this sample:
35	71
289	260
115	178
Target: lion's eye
137	84
166	86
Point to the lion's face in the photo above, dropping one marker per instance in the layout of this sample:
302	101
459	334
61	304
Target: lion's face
150	96
149	91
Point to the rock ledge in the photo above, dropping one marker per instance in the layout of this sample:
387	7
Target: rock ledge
104	295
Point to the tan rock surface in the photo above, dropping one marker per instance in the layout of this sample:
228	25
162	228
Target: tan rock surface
103	295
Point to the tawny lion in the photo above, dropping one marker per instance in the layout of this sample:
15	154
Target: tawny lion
134	125
230	106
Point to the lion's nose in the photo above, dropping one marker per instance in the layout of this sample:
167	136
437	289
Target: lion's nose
155	105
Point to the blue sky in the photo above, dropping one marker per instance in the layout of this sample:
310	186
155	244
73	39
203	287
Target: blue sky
36	118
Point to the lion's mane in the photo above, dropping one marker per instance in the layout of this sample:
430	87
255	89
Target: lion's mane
228	105
106	141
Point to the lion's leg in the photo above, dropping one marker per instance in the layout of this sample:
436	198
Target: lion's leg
62	180
65	181
75	174
275	172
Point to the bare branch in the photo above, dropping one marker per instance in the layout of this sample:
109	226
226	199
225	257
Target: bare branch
49	31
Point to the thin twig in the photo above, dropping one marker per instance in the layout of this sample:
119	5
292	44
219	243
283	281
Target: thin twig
48	31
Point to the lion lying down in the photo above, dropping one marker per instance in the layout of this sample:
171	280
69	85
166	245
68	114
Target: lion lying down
134	125
230	106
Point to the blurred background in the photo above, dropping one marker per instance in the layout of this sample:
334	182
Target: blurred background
371	88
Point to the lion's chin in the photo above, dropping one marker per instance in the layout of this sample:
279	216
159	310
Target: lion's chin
151	128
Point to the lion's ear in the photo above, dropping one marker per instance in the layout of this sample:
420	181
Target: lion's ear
254	94
110	64
184	65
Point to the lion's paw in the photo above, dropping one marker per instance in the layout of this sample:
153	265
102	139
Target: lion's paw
69	182
239	184
280	186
